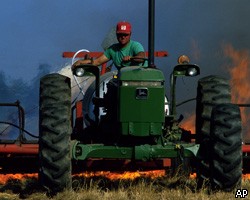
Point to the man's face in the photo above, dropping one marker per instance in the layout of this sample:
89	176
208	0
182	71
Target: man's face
123	38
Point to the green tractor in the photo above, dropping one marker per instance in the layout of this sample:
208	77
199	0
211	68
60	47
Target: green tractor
127	116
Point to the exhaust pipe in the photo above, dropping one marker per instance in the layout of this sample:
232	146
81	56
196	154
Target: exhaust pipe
151	32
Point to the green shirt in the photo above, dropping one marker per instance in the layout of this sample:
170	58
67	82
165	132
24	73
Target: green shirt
115	53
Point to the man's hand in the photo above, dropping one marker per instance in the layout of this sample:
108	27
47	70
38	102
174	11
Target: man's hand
80	62
126	58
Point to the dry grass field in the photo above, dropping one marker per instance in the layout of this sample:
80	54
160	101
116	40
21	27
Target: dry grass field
99	188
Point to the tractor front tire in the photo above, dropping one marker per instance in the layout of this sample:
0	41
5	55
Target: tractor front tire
54	133
211	91
226	143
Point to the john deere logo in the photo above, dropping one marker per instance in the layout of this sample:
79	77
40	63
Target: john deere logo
141	93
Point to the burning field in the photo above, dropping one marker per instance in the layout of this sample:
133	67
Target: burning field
113	186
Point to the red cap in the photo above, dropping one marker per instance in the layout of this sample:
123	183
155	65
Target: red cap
123	27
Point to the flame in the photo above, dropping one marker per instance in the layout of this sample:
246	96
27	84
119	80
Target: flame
240	79
193	175
246	176
153	174
127	175
107	174
5	177
189	123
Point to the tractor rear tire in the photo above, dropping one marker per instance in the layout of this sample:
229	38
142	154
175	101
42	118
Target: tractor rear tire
211	91
54	132
226	142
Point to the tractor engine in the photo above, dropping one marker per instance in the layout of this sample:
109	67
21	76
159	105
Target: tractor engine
133	106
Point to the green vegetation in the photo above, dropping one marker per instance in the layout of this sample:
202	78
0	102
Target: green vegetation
99	188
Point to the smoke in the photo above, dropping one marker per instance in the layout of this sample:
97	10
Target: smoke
27	93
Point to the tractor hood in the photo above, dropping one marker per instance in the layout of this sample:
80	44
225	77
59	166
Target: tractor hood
136	73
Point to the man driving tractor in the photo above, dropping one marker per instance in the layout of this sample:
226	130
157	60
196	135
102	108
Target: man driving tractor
123	53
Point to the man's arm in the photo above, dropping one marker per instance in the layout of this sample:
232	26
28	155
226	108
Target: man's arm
138	55
98	61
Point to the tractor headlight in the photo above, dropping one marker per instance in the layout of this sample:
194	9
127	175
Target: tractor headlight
192	71
186	69
79	72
